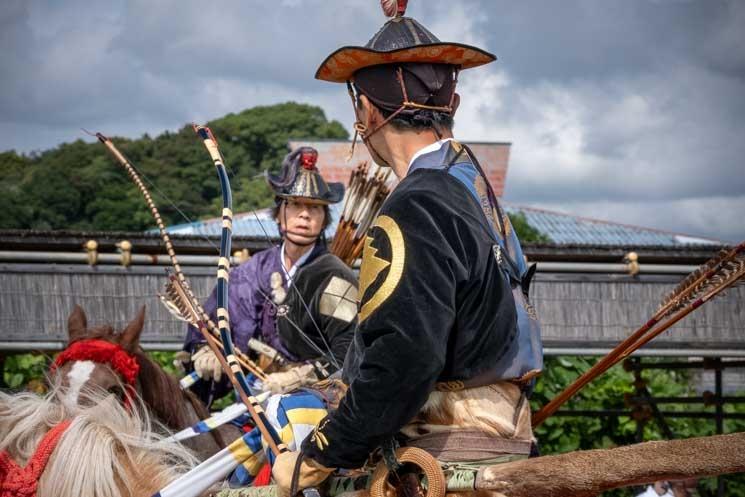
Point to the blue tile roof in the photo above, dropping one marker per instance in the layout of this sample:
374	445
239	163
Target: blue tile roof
560	228
568	229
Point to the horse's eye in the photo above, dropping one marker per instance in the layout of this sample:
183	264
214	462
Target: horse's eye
117	391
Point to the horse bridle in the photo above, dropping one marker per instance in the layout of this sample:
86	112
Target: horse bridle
103	352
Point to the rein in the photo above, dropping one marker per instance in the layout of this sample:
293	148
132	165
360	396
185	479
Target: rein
17	481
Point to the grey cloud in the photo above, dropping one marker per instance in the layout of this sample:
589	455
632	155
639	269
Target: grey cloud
585	39
259	41
631	111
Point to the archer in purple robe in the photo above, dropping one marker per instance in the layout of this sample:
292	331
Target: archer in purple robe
252	312
319	304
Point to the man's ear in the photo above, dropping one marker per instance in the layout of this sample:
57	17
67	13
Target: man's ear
456	103
369	114
279	211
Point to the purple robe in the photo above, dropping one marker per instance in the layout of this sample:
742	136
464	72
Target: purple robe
252	314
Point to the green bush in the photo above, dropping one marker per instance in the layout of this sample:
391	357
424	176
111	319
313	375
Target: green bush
560	434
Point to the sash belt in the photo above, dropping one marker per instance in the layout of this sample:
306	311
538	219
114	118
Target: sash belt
488	377
468	445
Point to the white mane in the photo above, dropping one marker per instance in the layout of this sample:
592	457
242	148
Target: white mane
106	451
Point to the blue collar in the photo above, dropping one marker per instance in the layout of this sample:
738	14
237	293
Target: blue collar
439	158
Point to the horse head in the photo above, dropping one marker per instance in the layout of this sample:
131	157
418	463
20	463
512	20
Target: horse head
104	359
100	358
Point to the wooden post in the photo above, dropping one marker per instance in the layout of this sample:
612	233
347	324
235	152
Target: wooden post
719	408
587	473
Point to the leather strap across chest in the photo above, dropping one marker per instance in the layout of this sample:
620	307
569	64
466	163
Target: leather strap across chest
17	481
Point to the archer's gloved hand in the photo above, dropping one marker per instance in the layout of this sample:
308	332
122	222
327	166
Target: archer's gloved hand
290	380
311	473
206	364
180	358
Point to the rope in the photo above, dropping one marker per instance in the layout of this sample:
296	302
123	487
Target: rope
16	481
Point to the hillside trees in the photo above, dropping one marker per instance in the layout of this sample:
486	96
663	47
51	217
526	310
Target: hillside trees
79	186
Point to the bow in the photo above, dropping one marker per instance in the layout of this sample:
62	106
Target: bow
180	299
232	368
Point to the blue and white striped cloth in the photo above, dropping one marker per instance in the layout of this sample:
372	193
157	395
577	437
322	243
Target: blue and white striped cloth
188	380
292	416
227	415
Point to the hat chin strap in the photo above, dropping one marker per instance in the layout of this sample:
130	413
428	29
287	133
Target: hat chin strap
291	237
363	129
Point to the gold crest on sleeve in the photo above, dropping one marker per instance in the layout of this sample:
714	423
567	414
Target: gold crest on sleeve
373	266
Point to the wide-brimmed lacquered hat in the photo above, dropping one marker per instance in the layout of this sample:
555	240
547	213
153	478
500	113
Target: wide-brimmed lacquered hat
400	40
300	179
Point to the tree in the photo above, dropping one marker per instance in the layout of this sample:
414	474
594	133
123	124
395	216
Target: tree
78	186
15	210
525	231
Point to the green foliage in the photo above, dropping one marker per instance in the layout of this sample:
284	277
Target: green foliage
165	360
560	434
15	212
79	186
526	232
24	371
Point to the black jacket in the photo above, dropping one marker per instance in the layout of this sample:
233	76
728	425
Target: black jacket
321	302
434	307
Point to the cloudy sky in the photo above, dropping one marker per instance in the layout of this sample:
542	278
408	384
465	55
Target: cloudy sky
630	111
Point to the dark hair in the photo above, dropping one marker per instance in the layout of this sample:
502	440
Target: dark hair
326	213
423	83
423	119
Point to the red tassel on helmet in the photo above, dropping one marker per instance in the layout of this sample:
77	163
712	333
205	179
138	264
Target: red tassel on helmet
308	159
394	8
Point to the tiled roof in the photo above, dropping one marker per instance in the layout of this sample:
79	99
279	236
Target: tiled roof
567	229
252	224
560	228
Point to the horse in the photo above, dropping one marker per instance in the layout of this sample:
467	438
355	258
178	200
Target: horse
50	447
100	357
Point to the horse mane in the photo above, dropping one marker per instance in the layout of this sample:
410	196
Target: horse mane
106	451
162	393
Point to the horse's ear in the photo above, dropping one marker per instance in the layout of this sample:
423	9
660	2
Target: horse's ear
77	324
130	336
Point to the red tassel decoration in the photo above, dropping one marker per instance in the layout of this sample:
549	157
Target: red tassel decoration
394	8
308	158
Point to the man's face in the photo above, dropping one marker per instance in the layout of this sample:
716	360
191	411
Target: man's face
301	221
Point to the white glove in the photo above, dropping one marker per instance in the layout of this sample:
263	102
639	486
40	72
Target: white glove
206	364
179	359
290	380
